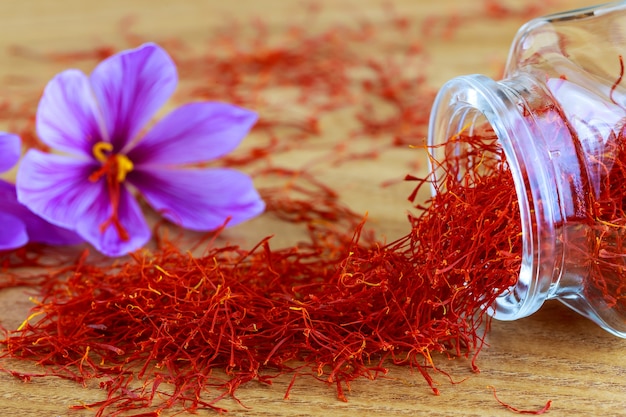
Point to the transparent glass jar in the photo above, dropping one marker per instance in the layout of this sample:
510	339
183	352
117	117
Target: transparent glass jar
559	115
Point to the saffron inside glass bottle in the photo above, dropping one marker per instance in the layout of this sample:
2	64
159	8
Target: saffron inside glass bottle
559	116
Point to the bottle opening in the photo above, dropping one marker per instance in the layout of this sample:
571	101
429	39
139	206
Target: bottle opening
478	133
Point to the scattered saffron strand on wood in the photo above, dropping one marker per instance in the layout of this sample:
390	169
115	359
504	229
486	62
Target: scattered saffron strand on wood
517	410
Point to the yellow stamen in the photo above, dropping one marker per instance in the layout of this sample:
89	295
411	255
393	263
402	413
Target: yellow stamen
124	166
100	151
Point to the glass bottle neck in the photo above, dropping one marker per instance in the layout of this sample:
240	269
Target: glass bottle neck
509	108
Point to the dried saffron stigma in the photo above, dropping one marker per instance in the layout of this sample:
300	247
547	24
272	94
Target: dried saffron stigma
335	308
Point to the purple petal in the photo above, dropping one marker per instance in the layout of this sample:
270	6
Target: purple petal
199	199
109	242
41	231
10	150
57	187
13	232
130	87
194	133
37	228
68	115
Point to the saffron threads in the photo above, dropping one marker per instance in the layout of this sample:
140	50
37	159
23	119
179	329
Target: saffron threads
336	307
603	246
517	410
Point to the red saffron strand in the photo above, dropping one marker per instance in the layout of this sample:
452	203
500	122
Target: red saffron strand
618	81
542	410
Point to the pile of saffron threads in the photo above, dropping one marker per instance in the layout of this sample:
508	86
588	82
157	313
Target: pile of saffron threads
337	307
169	329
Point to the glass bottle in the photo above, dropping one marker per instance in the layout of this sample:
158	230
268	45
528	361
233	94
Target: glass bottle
559	115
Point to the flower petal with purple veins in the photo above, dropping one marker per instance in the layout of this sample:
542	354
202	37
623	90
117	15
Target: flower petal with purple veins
193	133
68	118
57	187
10	151
99	119
13	232
108	241
38	229
199	199
130	87
41	231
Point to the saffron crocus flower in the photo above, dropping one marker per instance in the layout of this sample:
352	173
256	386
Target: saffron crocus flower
94	122
18	225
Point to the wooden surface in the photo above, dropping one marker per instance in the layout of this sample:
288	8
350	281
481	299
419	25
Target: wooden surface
554	355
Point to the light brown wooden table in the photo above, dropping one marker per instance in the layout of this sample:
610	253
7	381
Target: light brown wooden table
553	355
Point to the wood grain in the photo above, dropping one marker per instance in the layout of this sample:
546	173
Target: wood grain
554	355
